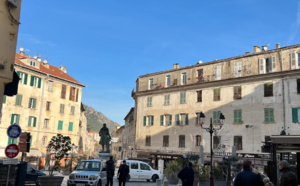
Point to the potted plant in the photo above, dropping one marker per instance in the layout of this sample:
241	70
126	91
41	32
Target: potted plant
172	169
59	145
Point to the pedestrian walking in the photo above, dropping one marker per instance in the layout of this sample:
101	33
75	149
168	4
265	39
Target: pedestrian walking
247	177
110	171
187	175
287	178
123	173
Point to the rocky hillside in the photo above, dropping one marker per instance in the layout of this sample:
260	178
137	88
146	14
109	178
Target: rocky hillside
96	119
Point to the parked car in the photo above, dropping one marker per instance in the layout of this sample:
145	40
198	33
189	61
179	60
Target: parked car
139	170
32	174
89	172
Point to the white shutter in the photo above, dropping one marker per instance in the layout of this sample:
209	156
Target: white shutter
262	65
296	60
235	69
239	68
273	63
217	72
293	60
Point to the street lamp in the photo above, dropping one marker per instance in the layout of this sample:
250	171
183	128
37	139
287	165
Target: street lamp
211	130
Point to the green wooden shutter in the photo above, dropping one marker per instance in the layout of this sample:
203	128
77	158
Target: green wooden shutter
34	121
12	119
70	126
145	120
29	121
186	119
295	115
161	120
60	125
34	103
30	140
18	119
266	116
152	120
235	116
31	81
177	119
9	141
272	115
18	72
25	80
40	80
170	120
4	99
215	117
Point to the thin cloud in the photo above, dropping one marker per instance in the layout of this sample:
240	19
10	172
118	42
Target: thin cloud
34	40
296	26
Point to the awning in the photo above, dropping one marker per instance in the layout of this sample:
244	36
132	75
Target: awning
289	139
11	89
35	153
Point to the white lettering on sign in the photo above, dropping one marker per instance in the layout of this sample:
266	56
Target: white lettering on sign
12	150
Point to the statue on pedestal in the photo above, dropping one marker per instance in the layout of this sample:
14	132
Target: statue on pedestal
105	138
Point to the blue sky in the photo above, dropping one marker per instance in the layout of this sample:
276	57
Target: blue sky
107	44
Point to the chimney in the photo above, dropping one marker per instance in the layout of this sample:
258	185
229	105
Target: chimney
200	62
22	51
39	59
278	45
264	48
45	61
176	66
64	69
256	49
247	53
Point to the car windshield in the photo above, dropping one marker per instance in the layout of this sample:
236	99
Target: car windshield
89	166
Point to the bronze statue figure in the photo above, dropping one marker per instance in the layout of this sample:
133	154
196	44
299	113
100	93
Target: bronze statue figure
105	138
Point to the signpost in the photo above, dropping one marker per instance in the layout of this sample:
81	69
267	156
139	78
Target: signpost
11	151
14	131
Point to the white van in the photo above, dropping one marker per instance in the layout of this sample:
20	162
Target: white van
142	171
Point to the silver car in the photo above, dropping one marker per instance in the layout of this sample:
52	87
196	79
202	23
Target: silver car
89	173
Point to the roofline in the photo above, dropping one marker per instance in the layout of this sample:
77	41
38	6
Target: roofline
132	108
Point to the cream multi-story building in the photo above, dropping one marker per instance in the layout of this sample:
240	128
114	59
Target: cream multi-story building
258	93
128	136
48	103
117	143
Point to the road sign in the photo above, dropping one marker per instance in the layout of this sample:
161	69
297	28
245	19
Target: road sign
10	161
14	131
11	151
23	142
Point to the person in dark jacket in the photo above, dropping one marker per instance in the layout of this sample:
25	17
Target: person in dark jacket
123	173
110	171
247	177
287	178
187	175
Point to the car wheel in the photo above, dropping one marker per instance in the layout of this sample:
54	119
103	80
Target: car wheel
154	178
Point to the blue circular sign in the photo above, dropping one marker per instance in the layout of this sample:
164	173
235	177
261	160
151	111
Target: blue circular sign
14	131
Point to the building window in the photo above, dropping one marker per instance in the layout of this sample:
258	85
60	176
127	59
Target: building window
217	72
35	82
149	101
216	117
298	85
237	69
32	63
63	91
237	117
23	77
217	94
268	89
198	140
182	119
296	115
198	119
72	110
48	105
50	86
181	140
199	96
60	125
32	103
148	141
46	122
44	140
62	108
166	141
295	60
182	97
32	121
168	81
183	78
269	115
148	120
73	94
174	82
150	85
238	142
15	118
237	92
70	126
200	75
166	120
4	99
167	99
267	65
19	100
216	141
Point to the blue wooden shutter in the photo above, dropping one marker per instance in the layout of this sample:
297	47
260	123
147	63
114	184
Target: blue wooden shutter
161	120
145	120
295	115
170	120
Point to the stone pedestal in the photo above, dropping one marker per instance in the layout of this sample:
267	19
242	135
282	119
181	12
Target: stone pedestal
104	155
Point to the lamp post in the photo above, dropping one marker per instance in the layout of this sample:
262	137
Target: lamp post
73	145
211	130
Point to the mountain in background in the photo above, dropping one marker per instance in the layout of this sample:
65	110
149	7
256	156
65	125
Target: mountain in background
96	119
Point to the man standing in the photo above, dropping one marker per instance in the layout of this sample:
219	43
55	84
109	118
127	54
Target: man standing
110	171
123	173
247	177
287	178
187	175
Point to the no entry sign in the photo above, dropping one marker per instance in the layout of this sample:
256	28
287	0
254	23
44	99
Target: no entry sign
11	151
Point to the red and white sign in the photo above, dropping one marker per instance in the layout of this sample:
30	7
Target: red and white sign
11	151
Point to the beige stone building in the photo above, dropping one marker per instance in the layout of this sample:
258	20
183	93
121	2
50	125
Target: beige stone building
117	143
258	93
129	136
48	103
9	24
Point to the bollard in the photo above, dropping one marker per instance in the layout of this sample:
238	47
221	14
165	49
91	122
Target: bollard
158	182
